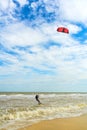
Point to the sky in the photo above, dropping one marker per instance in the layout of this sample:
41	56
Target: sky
33	55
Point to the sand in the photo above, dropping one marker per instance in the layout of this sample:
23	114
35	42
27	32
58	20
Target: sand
74	123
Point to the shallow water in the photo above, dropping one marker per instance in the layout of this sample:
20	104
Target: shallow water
21	109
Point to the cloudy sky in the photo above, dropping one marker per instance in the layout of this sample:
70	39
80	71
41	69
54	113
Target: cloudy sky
33	55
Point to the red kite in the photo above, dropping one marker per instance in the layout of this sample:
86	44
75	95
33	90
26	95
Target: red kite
62	29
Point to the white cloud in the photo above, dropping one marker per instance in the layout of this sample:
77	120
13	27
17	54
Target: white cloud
22	2
4	4
67	59
20	34
7	6
73	29
51	6
75	11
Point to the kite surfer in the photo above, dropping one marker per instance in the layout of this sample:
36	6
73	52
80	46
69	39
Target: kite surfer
37	99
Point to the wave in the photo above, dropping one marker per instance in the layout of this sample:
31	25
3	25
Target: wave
42	95
23	107
43	112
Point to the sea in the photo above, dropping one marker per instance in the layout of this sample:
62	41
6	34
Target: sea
18	110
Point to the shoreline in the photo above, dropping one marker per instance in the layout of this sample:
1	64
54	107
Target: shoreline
73	123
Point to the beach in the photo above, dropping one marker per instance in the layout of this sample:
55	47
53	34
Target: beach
64	111
74	123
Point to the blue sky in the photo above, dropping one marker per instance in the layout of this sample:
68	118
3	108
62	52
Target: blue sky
33	55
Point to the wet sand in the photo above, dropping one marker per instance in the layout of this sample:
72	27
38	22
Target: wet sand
75	123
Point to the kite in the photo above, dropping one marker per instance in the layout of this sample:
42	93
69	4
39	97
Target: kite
62	29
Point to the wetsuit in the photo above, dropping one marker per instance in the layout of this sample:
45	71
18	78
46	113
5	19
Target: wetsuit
37	99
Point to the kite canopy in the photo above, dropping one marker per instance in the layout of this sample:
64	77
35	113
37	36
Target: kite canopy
62	29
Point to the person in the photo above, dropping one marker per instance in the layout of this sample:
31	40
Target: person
37	99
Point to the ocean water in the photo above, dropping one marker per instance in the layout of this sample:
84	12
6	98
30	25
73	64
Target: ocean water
21	109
